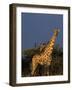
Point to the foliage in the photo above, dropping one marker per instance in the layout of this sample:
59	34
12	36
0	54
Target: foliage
33	51
56	67
30	52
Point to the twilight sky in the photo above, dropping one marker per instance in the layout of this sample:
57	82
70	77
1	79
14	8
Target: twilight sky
39	28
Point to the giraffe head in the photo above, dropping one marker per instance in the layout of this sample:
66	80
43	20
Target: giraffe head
56	31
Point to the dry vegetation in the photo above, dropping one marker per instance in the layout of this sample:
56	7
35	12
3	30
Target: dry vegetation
56	67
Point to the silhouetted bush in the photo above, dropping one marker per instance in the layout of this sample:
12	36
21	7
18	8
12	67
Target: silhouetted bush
56	67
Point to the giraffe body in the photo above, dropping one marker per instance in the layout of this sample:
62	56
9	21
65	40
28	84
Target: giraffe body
45	57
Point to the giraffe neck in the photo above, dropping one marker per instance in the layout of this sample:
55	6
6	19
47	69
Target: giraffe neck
49	48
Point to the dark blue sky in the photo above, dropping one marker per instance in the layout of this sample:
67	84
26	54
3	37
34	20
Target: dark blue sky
39	28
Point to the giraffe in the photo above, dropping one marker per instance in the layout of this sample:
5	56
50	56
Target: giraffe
45	57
